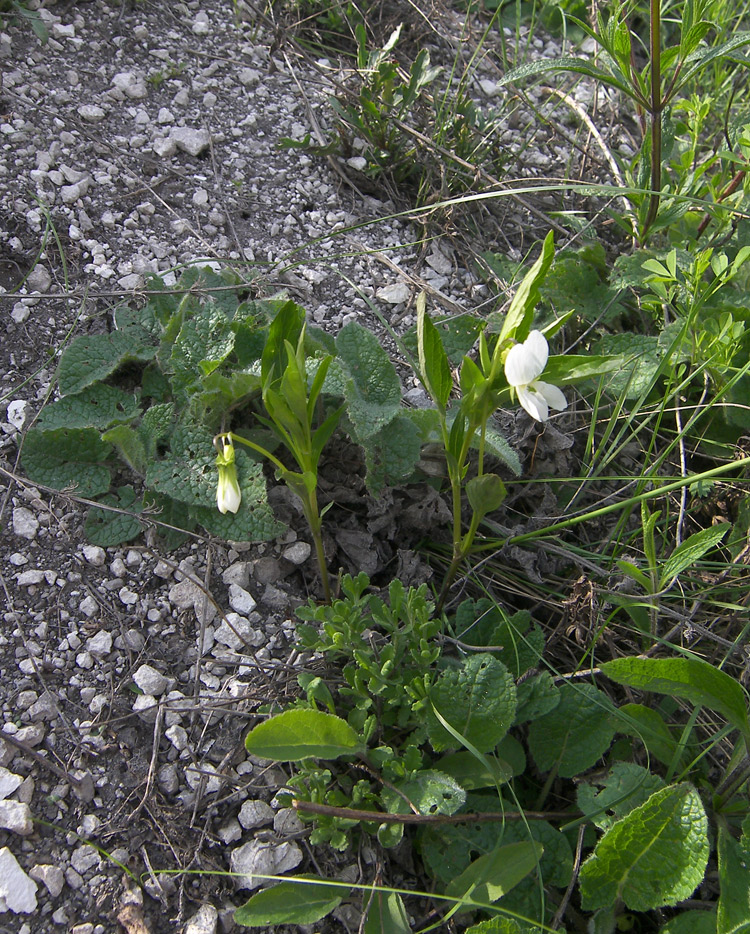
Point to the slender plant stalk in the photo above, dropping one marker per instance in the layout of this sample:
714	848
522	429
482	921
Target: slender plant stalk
655	114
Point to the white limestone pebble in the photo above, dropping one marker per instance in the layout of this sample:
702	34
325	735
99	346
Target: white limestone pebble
51	876
190	140
16	817
255	814
17	890
9	781
206	919
25	523
394	294
240	600
150	681
265	859
100	644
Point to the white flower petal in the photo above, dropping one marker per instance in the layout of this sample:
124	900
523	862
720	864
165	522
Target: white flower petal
536	344
554	396
534	403
525	362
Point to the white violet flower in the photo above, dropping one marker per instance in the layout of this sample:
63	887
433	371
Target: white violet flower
228	493
524	365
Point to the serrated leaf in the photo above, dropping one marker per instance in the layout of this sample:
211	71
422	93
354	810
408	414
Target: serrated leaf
575	734
300	734
187	472
290	903
67	458
373	390
733	909
156	425
94	357
691	678
386	913
392	455
655	856
478	700
625	787
106	528
99	406
203	343
499	447
690	551
493	875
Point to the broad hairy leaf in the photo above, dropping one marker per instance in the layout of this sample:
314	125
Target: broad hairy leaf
107	528
94	357
301	734
478	700
67	458
493	875
692	922
99	406
691	678
655	856
392	455
291	903
625	787
499	925
373	390
575	734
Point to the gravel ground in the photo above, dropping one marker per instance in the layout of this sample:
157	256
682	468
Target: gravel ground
146	134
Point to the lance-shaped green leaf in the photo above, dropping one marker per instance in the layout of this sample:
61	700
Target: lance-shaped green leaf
568	369
286	326
291	903
386	913
301	734
691	678
493	875
434	369
581	66
690	551
517	323
655	856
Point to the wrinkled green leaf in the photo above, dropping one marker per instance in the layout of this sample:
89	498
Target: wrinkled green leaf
478	700
67	458
537	696
300	734
691	922
430	791
99	406
575	734
648	726
94	357
655	856
625	787
373	390
106	528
